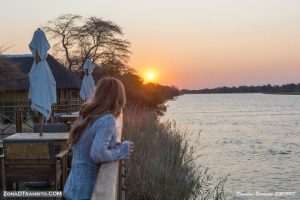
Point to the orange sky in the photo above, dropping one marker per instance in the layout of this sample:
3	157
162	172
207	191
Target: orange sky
190	44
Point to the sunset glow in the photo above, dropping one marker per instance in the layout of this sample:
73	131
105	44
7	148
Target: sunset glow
149	76
209	44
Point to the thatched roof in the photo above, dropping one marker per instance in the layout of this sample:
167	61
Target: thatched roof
64	78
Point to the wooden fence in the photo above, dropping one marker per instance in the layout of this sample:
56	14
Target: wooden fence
15	114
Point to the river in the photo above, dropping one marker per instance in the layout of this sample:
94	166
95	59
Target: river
255	138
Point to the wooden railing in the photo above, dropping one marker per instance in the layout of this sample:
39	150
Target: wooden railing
107	186
18	113
107	183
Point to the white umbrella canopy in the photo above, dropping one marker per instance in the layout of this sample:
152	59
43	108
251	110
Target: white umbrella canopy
88	83
42	90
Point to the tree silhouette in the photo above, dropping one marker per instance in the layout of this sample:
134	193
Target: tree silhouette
78	39
102	41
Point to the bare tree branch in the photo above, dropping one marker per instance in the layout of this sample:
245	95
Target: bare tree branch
79	39
63	29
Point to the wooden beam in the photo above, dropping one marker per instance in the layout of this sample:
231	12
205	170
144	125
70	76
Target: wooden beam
18	120
108	180
107	183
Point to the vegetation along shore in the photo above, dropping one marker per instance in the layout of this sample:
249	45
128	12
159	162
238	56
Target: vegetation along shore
292	89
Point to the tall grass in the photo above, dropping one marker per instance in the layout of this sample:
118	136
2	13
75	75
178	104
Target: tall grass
163	165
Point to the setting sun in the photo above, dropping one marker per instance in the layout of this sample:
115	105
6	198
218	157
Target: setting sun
149	76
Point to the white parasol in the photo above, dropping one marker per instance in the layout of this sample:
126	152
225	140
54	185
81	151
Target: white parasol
42	90
88	83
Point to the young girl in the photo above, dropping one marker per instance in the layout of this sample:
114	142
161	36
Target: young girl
94	138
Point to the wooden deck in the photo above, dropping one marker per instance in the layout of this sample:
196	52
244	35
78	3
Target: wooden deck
109	181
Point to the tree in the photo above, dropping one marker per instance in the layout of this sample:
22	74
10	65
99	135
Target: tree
78	39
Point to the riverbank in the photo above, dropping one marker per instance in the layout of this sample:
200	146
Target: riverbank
163	165
287	88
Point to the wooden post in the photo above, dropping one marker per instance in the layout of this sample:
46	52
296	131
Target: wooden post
122	178
3	173
41	123
18	120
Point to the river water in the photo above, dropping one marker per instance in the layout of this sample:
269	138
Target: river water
255	138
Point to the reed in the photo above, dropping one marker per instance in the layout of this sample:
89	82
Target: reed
163	165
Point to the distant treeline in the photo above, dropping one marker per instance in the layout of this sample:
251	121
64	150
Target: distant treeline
287	88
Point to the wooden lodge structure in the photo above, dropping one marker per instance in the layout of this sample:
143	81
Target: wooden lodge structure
67	83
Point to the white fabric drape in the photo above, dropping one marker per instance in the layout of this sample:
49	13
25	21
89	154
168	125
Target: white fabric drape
42	90
39	44
88	83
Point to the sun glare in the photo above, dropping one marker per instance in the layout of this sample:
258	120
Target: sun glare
150	75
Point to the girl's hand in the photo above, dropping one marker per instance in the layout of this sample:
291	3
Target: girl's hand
128	145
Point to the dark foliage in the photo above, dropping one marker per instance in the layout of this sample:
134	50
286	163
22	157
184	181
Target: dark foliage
150	95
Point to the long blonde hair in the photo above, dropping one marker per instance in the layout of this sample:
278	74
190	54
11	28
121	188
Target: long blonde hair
109	98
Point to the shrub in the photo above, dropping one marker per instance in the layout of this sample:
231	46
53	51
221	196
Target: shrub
163	165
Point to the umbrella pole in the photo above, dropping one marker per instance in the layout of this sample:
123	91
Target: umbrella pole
40	119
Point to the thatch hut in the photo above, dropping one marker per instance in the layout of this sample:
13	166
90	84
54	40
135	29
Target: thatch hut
67	83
